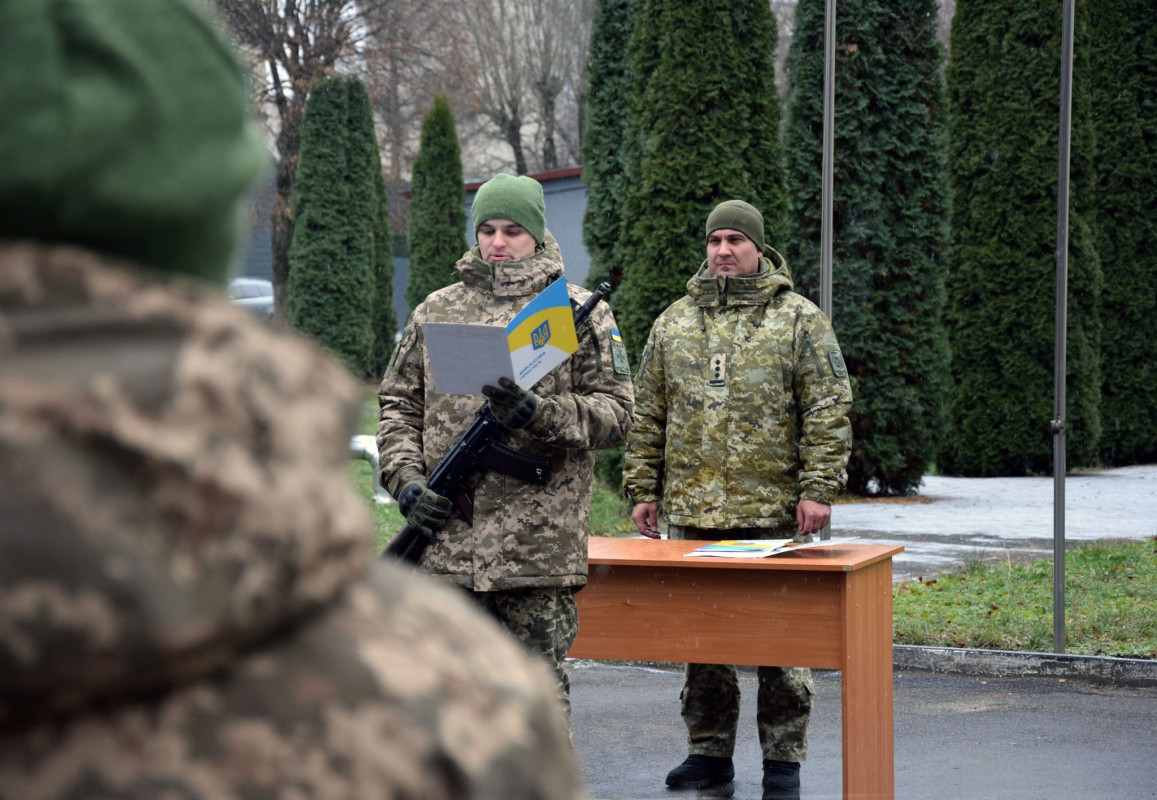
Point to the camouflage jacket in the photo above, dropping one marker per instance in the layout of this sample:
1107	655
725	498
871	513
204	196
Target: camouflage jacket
524	535
742	405
185	607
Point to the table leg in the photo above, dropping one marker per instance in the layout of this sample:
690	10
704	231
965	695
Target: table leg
867	684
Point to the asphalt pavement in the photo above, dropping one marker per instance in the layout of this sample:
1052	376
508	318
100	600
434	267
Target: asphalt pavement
969	725
957	737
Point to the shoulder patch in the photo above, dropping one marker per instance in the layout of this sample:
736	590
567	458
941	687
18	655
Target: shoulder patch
619	354
839	368
404	346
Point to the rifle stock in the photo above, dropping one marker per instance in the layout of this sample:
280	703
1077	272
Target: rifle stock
465	457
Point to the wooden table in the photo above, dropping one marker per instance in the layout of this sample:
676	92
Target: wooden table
824	607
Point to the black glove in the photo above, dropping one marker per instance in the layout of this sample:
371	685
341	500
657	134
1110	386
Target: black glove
425	510
513	406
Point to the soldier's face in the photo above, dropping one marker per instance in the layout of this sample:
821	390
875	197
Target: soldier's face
729	252
504	240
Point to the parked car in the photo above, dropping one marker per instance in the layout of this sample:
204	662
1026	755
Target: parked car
254	294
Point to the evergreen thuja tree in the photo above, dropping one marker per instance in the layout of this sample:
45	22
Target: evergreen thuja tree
609	81
331	281
1124	77
890	223
604	164
702	127
385	321
1003	83
437	237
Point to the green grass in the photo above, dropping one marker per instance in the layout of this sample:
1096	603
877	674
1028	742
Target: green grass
1110	604
610	513
387	520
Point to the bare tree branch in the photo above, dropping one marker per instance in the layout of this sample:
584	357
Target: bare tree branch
295	44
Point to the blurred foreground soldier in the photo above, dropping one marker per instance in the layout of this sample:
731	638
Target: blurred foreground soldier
186	606
526	552
741	432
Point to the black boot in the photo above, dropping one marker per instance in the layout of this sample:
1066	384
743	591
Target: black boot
700	772
780	780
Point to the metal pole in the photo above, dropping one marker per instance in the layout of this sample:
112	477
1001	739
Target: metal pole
1062	280
829	157
828	168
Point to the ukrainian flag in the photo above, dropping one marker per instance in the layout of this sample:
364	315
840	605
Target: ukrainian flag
542	336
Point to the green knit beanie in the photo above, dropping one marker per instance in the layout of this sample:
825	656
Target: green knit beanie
124	128
518	199
738	216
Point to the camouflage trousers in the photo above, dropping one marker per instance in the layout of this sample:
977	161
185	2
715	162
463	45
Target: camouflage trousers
545	620
710	696
783	706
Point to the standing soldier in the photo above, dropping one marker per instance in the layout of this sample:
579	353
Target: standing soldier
526	552
741	432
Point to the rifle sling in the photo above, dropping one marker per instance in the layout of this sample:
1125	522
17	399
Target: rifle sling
517	464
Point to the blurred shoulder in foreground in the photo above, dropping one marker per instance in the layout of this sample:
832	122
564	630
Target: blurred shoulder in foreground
189	606
184	591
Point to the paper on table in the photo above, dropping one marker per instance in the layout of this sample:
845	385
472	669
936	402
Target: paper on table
739	548
465	357
754	548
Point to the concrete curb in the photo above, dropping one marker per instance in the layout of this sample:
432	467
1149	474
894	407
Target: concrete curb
1012	664
983	663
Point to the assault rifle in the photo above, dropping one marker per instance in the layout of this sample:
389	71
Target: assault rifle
476	448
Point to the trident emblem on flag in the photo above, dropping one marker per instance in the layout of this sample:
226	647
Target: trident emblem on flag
541	335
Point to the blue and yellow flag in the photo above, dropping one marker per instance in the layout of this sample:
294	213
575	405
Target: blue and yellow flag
542	336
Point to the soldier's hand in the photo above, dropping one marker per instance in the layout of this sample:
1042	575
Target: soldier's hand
425	510
646	519
812	516
513	406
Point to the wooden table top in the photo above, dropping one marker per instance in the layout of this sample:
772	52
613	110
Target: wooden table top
842	557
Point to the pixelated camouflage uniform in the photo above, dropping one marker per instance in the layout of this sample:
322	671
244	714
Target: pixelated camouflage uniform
528	541
742	403
186	608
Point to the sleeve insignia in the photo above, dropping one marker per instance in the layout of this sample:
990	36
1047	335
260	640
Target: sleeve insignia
619	354
839	368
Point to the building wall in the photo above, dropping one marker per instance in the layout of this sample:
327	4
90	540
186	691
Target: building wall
254	256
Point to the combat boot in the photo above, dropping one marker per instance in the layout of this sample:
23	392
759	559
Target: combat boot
780	780
701	772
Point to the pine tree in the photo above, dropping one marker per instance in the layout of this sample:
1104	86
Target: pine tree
1004	98
1124	77
331	282
437	236
702	127
890	223
609	81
